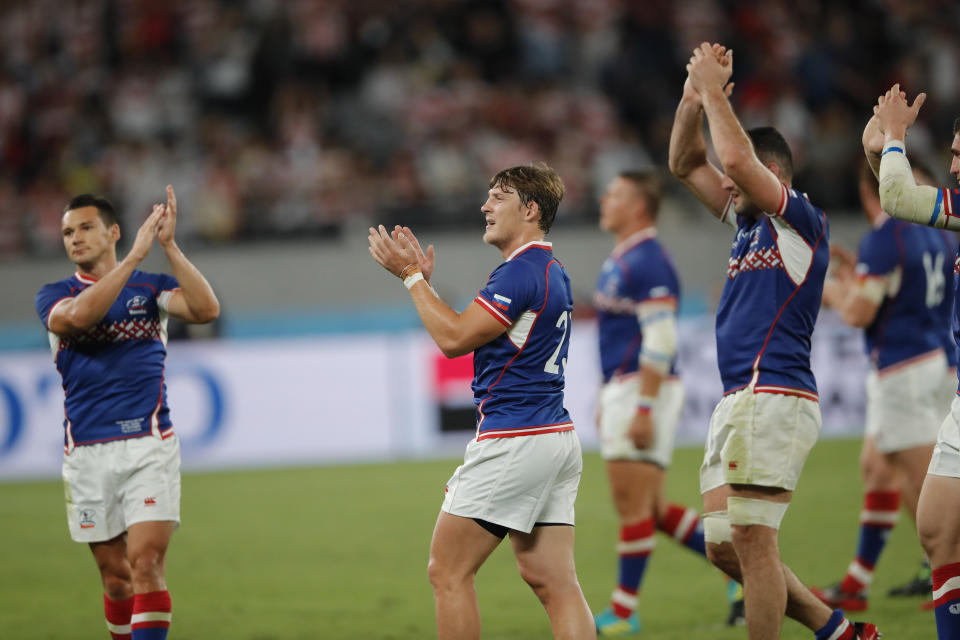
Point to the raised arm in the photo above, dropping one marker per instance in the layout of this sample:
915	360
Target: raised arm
709	75
195	302
86	309
873	144
900	195
455	333
688	154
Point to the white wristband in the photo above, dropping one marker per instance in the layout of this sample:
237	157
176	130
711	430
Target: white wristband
411	280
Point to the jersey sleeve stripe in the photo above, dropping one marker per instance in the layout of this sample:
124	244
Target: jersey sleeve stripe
46	321
784	199
725	214
483	302
936	207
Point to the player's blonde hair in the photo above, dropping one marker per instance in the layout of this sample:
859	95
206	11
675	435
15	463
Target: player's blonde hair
535	182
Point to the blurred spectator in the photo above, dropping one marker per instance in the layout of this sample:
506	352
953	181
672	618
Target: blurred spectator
290	118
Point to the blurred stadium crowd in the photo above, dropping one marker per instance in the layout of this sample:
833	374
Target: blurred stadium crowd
279	118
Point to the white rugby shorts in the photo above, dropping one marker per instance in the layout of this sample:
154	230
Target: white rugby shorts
618	405
518	482
112	485
947	392
760	439
904	403
946	453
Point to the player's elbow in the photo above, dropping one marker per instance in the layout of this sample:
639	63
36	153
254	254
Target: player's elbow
678	169
72	321
207	313
682	164
451	349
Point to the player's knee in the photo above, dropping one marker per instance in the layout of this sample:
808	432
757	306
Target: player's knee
147	563
877	473
444	576
719	537
939	542
117	587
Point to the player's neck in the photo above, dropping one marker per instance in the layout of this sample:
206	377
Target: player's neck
527	237
620	235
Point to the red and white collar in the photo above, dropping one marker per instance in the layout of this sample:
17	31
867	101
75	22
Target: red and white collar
539	244
84	279
633	240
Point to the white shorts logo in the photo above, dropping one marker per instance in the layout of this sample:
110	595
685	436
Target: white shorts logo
955	608
86	519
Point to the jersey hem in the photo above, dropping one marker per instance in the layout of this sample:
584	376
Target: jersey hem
524	431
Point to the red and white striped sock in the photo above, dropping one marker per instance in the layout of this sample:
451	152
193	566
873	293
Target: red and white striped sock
881	509
683	525
151	615
117	613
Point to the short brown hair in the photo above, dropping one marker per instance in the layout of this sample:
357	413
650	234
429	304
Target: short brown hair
649	186
103	206
535	182
956	126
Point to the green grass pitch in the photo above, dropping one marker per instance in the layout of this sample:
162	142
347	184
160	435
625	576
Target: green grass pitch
340	552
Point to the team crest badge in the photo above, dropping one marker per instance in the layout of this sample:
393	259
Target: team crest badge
137	305
87	519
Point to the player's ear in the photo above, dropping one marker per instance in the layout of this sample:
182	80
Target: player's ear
533	211
115	232
774	169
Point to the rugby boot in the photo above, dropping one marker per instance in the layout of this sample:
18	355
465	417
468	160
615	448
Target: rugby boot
836	598
610	624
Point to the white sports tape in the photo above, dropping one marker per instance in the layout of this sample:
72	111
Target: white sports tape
745	512
903	198
716	527
413	279
659	325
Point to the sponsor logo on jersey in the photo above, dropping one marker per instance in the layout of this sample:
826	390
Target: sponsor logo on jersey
150	502
86	519
133	425
137	305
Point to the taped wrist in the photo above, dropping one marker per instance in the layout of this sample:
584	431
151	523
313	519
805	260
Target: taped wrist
903	198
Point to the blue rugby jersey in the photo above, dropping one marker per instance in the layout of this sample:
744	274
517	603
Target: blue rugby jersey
771	298
638	270
914	263
113	372
947	329
951	207
518	376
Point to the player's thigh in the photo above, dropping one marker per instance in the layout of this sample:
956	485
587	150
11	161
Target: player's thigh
635	487
938	519
151	537
459	547
545	555
150	482
111	557
913	463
